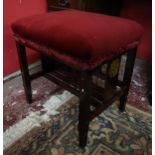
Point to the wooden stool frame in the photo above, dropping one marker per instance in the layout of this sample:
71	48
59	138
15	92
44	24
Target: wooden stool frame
83	87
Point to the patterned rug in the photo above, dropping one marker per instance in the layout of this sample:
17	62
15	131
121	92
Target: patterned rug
111	133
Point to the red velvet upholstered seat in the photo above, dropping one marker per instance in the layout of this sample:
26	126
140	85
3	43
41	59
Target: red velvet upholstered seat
78	38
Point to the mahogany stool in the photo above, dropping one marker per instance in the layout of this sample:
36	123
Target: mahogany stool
82	52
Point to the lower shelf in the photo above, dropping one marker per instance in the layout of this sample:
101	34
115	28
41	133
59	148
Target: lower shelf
67	78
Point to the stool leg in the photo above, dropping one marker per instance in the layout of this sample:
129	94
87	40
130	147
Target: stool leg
83	121
131	55
24	71
84	109
48	64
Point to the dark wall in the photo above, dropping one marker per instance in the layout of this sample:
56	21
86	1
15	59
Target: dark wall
141	11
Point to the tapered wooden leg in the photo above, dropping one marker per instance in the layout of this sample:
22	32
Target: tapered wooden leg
131	55
83	121
24	71
46	63
84	109
122	105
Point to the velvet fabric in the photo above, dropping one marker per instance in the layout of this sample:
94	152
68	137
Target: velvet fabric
84	37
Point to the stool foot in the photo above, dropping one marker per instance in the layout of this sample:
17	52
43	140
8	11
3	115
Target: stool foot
83	130
83	121
29	98
122	105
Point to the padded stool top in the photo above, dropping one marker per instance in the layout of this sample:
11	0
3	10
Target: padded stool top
78	38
